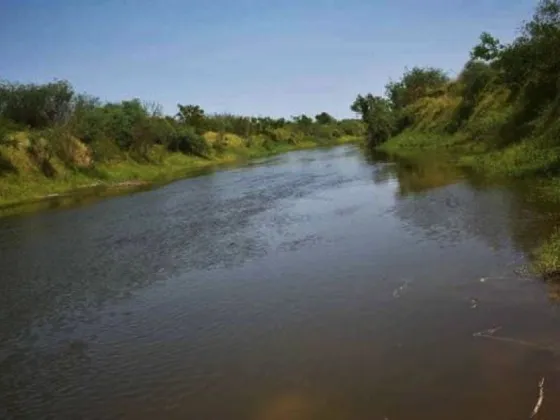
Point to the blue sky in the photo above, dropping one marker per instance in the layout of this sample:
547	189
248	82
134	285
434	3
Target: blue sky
258	57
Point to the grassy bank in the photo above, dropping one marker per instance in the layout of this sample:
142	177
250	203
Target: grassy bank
524	161
28	182
54	140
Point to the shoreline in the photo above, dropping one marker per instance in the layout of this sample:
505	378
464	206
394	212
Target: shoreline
492	165
128	176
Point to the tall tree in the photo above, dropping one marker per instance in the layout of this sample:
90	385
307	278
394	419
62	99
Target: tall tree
192	115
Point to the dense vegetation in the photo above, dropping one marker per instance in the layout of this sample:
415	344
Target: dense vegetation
500	116
53	139
506	98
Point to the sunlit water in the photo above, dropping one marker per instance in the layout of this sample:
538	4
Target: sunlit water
315	285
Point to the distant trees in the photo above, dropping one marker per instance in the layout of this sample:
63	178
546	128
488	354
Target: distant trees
324	118
57	122
192	115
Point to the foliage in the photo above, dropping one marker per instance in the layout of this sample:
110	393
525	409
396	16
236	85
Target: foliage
351	127
505	95
192	115
377	115
414	85
36	106
472	81
488	49
325	118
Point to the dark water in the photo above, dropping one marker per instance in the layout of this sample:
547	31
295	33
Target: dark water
317	285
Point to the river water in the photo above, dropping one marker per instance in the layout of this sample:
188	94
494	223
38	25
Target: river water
314	285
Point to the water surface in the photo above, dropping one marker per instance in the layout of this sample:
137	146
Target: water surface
315	285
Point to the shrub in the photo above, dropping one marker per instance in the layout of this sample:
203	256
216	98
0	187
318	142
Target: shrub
188	141
36	106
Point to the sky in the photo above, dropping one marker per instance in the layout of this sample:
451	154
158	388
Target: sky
250	57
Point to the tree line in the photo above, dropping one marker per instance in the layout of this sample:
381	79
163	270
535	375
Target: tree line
53	116
505	94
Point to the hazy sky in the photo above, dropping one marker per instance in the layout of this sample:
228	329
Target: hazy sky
259	57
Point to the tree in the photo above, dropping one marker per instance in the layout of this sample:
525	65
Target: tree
303	123
488	49
324	118
414	84
303	120
192	115
377	115
36	106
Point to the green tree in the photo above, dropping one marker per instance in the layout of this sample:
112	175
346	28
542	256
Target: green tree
303	123
414	84
488	49
192	115
324	118
36	106
377	115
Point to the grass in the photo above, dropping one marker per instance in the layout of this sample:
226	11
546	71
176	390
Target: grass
417	141
546	258
516	161
412	143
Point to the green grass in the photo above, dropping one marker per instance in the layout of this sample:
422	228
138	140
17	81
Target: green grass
417	141
516	161
17	188
547	257
412	143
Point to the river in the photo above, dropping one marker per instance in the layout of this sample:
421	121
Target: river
318	284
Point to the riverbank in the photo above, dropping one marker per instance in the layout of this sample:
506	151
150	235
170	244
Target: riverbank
314	242
28	187
525	161
499	116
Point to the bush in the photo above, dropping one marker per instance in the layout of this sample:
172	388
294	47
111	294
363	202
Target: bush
106	150
60	143
89	121
188	141
36	106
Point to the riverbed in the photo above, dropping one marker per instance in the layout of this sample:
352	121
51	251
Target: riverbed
318	284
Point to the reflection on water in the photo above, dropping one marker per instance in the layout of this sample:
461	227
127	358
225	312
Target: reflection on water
87	195
81	197
318	285
416	175
506	214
